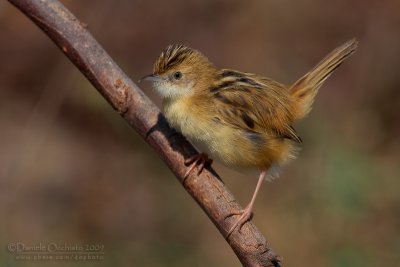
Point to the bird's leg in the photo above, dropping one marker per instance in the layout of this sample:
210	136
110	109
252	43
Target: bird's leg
247	213
199	160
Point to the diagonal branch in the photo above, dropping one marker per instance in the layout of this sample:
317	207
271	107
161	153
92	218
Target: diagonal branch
129	101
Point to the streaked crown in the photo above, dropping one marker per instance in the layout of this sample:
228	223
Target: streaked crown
178	54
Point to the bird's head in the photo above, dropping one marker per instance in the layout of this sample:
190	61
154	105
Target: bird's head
180	71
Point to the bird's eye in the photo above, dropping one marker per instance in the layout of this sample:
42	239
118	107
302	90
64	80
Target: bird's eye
177	75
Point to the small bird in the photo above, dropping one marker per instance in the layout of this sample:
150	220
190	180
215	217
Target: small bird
242	119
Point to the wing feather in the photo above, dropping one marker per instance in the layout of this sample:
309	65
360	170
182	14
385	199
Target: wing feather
255	104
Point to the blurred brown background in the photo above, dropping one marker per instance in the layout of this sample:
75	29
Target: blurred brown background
72	171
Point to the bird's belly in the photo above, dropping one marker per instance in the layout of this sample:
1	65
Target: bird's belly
196	130
238	148
232	146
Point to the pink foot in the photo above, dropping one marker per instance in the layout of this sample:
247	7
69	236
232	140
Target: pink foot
245	216
199	160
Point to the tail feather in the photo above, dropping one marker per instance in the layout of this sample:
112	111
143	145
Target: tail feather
305	89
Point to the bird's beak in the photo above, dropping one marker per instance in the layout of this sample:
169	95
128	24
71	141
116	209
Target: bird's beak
151	77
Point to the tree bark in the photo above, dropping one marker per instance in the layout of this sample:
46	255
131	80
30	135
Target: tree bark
73	38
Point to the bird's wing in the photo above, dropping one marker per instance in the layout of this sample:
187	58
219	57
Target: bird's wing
255	104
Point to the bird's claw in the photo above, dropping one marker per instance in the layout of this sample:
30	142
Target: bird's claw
199	160
245	216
